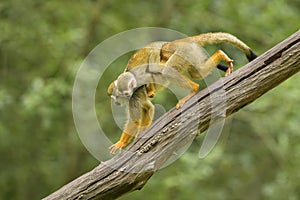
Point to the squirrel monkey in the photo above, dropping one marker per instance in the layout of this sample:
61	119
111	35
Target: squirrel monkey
160	63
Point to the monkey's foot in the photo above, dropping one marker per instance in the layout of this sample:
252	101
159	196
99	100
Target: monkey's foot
116	147
182	101
230	67
180	104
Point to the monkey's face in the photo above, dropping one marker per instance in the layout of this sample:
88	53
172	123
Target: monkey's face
122	89
116	95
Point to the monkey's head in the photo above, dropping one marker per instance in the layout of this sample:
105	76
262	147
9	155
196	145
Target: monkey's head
122	89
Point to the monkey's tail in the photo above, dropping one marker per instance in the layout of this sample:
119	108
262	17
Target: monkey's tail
219	37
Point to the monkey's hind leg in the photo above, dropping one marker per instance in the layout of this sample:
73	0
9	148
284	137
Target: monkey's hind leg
194	87
183	81
214	60
176	77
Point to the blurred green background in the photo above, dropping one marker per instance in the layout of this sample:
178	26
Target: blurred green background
42	44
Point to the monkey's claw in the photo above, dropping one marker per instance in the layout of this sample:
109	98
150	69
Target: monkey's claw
182	101
179	104
230	67
116	147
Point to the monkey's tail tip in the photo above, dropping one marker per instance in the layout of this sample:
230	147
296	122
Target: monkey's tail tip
251	56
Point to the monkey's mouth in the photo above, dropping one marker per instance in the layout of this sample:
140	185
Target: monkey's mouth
120	101
117	103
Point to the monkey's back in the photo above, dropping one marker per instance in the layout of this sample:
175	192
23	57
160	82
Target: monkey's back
145	55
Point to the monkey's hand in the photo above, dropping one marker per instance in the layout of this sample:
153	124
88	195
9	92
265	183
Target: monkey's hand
124	140
117	147
150	90
151	94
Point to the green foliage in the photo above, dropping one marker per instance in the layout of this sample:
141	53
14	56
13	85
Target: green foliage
42	44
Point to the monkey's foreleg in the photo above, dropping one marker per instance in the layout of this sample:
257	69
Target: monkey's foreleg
146	118
129	131
151	90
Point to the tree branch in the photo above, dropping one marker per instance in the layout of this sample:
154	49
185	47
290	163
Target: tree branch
131	169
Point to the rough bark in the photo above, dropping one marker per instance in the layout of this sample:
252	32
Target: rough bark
131	169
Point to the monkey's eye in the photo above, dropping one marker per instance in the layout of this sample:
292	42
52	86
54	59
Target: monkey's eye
127	93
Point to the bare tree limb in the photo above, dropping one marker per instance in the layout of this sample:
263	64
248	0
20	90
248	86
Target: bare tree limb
131	169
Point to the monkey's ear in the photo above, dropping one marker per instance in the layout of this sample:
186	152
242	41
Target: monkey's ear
132	83
110	89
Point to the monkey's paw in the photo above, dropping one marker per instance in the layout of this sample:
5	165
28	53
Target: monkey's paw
180	104
116	147
230	68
